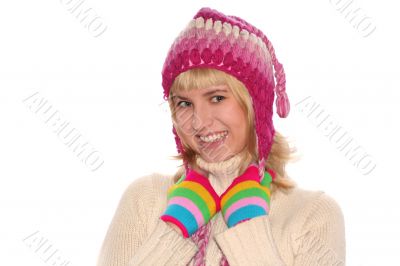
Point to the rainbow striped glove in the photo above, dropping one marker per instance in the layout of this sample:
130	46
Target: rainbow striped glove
192	202
246	197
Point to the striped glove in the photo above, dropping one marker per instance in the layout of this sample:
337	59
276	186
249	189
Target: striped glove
246	197
192	202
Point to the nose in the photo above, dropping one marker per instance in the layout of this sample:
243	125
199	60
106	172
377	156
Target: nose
202	118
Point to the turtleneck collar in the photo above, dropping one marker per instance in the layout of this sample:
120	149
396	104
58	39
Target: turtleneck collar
221	174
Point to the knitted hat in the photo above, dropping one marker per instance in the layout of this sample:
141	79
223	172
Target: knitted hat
230	44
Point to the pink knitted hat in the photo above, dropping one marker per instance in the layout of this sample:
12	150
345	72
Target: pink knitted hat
230	44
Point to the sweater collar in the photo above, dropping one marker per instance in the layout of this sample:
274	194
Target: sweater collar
221	174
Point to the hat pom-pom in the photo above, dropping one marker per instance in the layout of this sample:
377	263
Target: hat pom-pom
282	104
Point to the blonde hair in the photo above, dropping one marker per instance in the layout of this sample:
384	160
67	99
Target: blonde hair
280	153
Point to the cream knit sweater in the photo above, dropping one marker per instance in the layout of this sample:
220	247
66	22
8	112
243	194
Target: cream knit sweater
303	228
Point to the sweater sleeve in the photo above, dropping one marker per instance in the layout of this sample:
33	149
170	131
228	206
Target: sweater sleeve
320	240
250	243
128	241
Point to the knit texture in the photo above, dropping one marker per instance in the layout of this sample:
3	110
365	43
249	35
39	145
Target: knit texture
220	169
303	227
201	238
192	202
226	167
246	197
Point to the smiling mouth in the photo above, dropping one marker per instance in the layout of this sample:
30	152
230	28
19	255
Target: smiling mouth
213	133
213	144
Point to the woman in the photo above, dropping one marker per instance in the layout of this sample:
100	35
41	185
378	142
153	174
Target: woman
231	203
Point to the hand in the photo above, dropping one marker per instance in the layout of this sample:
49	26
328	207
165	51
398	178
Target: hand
192	202
246	197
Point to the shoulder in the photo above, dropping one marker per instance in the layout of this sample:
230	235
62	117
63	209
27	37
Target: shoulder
317	202
147	185
318	224
316	211
308	207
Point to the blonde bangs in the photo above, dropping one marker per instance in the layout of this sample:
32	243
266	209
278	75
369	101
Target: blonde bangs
198	78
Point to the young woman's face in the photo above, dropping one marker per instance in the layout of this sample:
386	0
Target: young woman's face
213	113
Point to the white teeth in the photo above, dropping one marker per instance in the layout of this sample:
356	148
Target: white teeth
214	137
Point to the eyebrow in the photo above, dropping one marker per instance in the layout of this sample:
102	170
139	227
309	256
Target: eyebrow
204	95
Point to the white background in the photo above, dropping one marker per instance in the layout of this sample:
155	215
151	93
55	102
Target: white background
109	89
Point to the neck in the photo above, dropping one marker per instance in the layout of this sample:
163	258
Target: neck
221	174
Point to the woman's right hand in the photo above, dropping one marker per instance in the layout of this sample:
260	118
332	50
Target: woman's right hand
192	202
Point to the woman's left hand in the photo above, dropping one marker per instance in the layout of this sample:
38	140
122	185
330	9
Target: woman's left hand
247	197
